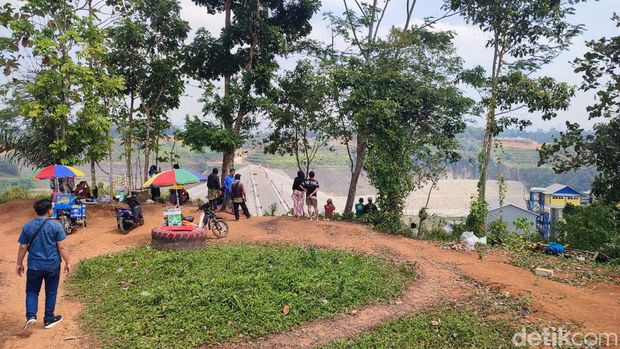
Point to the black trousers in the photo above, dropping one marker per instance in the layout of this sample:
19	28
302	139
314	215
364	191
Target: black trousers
244	207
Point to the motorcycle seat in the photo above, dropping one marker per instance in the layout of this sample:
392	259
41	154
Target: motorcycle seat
188	218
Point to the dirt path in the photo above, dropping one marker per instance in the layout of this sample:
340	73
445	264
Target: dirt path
595	308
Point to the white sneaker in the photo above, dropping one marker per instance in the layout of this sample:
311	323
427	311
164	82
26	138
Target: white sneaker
29	323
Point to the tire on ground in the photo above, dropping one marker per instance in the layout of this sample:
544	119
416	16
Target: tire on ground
178	238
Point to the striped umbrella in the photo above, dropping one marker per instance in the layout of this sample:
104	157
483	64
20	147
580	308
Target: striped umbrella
174	177
58	171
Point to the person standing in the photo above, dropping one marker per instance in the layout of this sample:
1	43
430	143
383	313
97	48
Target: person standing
228	182
43	240
311	186
298	194
175	190
239	198
215	188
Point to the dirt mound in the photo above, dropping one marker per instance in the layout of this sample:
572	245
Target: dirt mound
596	308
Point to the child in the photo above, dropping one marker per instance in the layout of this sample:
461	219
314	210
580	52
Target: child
329	209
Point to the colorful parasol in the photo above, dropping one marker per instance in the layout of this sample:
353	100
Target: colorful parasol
174	177
58	171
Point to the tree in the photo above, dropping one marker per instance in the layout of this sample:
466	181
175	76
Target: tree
574	149
261	31
524	36
417	113
146	47
359	27
57	96
301	115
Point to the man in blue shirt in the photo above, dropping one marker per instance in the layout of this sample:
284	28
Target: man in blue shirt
43	239
228	182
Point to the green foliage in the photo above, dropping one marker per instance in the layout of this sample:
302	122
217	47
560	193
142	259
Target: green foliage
259	33
271	210
411	111
524	36
500	234
58	104
476	219
14	193
575	149
147	298
301	115
594	228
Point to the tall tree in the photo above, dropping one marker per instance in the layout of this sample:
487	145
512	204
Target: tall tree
56	92
359	28
147	45
416	113
524	36
261	30
574	149
301	114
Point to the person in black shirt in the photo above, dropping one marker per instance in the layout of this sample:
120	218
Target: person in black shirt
298	194
311	186
215	188
370	207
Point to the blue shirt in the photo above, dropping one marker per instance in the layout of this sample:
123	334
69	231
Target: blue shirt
43	252
228	182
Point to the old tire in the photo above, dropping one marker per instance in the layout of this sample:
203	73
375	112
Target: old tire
178	238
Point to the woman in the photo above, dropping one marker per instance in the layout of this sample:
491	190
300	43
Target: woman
298	194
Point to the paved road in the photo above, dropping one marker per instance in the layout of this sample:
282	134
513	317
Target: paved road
262	190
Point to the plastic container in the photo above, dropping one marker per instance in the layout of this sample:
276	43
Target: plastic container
173	216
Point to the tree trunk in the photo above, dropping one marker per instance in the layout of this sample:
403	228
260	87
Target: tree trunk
147	146
228	161
93	174
111	168
129	140
487	143
355	175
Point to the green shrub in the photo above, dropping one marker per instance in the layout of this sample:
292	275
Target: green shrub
475	221
498	229
14	193
271	210
595	228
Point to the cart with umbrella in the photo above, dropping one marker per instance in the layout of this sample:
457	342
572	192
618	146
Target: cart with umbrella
67	209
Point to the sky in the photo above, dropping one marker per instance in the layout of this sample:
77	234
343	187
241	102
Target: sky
469	42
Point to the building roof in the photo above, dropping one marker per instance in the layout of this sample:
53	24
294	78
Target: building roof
556	188
494	206
561	189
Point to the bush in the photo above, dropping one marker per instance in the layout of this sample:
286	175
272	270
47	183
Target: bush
594	228
14	193
271	210
475	221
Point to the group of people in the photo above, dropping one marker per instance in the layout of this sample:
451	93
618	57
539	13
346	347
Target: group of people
232	193
361	209
67	186
305	190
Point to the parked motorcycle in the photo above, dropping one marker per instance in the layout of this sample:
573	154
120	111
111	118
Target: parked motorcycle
129	219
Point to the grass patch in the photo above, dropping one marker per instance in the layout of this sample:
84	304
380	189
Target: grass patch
148	298
572	271
487	320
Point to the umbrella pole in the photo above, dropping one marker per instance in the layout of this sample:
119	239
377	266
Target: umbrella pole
178	199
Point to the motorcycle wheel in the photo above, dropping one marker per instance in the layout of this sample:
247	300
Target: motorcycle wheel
65	222
219	227
122	226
